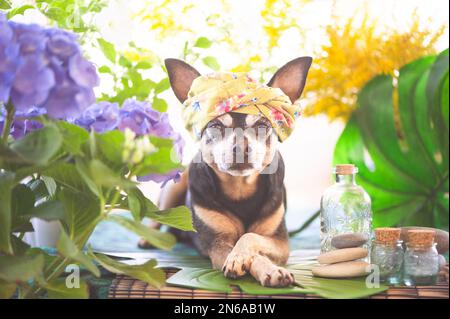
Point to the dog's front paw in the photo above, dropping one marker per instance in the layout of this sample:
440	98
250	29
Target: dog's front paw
277	277
269	274
237	264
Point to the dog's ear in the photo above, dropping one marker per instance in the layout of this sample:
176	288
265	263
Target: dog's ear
291	78
181	76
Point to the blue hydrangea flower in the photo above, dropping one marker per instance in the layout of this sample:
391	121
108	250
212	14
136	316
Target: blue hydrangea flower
44	68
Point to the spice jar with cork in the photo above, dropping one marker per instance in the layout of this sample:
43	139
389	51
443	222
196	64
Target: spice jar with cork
387	254
421	262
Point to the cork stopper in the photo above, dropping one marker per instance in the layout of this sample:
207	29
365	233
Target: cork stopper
420	237
387	235
345	169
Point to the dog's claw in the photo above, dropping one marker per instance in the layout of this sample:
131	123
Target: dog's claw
267	281
276	277
237	264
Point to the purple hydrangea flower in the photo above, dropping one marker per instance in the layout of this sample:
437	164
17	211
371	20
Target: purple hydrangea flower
83	72
139	117
23	122
101	117
44	68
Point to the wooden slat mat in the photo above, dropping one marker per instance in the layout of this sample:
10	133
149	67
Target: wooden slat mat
126	287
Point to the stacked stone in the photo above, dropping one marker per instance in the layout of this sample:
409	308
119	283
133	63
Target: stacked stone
346	261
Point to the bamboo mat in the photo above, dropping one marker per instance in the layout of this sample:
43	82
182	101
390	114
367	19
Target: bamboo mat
126	287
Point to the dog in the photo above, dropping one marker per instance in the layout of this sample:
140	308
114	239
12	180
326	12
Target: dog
238	208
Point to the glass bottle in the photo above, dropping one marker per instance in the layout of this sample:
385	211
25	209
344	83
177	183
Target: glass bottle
421	262
387	254
345	208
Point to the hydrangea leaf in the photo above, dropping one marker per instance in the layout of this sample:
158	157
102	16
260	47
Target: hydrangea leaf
73	137
68	249
6	185
146	272
58	289
7	289
39	146
162	240
178	217
21	268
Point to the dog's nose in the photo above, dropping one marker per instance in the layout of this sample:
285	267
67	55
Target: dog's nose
238	150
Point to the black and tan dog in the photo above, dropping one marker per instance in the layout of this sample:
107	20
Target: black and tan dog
238	207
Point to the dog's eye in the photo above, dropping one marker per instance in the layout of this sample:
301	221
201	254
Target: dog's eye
261	126
216	125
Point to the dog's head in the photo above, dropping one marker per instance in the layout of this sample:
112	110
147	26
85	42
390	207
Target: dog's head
235	143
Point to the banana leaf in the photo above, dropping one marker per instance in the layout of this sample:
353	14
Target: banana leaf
403	153
210	279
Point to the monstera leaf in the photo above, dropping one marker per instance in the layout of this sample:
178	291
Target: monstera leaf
210	279
402	153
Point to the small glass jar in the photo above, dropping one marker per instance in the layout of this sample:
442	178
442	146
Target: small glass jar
389	259
421	265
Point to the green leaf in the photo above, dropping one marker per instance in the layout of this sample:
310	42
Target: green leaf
108	50
49	210
57	289
18	11
22	203
6	185
4	4
39	146
110	145
145	272
155	237
20	268
162	86
211	279
19	246
104	69
144	65
135	207
159	162
104	176
50	185
179	217
159	104
402	161
68	249
22	200
125	62
7	289
203	43
211	62
85	173
82	213
333	288
67	176
74	137
140	206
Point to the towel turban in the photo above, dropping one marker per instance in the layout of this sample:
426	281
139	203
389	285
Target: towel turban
213	95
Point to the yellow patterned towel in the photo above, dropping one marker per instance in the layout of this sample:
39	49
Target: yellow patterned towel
213	95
